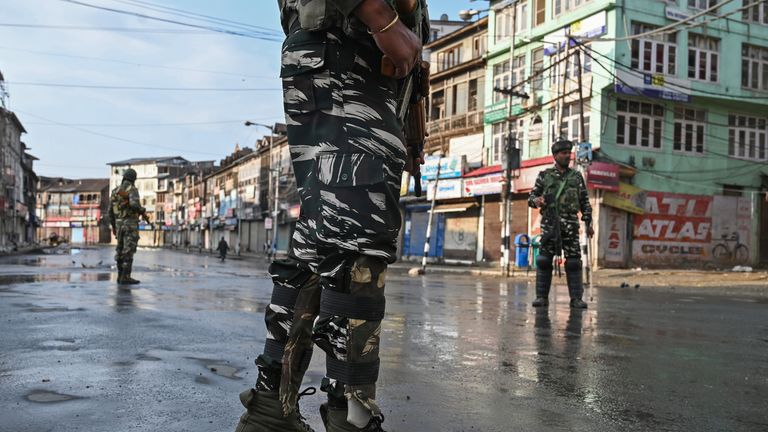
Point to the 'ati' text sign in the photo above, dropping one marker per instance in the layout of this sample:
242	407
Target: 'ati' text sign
601	175
675	228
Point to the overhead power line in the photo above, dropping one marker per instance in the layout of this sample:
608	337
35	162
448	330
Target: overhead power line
112	87
116	138
255	34
110	29
730	157
130	125
197	16
131	63
670	28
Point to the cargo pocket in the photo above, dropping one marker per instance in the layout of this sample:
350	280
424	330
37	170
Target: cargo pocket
355	210
306	79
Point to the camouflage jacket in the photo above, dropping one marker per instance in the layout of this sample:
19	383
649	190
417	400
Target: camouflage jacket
573	198
316	15
124	203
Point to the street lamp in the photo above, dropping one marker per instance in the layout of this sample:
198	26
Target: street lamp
276	181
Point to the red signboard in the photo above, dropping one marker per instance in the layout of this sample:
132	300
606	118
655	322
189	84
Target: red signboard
601	175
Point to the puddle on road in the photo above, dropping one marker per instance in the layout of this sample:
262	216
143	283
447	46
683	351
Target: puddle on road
202	380
13	279
45	396
147	357
36	308
217	367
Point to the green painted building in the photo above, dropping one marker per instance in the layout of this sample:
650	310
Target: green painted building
675	102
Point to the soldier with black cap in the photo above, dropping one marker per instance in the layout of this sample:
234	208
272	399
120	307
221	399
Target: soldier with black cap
124	212
560	193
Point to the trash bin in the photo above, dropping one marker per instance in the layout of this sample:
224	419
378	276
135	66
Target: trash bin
522	242
535	246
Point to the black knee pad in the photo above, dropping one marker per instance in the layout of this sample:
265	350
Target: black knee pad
572	265
544	262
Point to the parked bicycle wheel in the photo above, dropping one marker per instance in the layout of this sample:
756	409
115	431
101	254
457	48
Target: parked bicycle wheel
721	253
741	254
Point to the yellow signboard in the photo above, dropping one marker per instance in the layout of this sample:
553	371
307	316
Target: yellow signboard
628	198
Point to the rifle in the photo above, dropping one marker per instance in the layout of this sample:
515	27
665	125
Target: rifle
412	92
552	213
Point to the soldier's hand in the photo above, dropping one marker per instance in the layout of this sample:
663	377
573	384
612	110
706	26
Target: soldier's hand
590	231
397	42
114	232
539	201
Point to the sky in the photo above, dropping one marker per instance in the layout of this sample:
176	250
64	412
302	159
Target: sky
57	55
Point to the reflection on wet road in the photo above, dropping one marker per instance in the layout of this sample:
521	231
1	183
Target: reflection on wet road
79	353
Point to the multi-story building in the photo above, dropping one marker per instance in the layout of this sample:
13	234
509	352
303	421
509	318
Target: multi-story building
16	184
455	127
73	209
153	177
673	94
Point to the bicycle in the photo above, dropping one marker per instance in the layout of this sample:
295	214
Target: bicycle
723	252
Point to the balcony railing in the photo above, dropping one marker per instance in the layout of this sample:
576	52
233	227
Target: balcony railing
457	122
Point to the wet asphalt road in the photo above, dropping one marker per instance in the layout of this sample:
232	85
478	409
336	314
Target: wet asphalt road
459	353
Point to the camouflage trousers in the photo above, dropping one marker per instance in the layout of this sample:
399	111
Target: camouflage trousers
127	241
348	154
569	232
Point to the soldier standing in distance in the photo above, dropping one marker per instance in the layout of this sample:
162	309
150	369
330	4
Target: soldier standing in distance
124	212
348	153
560	193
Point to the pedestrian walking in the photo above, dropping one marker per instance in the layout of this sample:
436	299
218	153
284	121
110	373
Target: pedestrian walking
124	212
348	150
223	247
560	194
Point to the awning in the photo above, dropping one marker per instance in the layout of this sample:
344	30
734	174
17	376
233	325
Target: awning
458	207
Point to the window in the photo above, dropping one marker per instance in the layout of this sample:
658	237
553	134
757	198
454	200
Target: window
563	6
654	53
537	66
518	72
747	137
541	14
639	124
500	136
757	13
478	47
689	130
570	125
501	79
754	67
573	66
449	58
504	21
703	57
503	24
702	4
436	106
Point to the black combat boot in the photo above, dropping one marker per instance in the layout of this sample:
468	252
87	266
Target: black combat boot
265	413
575	283
127	279
543	280
334	412
120	272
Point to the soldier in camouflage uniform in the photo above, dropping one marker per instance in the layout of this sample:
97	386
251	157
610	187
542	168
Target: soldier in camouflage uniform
348	154
124	212
560	193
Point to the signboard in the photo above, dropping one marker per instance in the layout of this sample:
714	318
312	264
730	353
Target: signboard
628	198
268	223
450	167
601	175
676	14
589	27
485	185
652	85
446	189
615	237
527	178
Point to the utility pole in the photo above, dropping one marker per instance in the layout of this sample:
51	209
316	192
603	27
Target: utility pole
273	248
431	216
582	164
